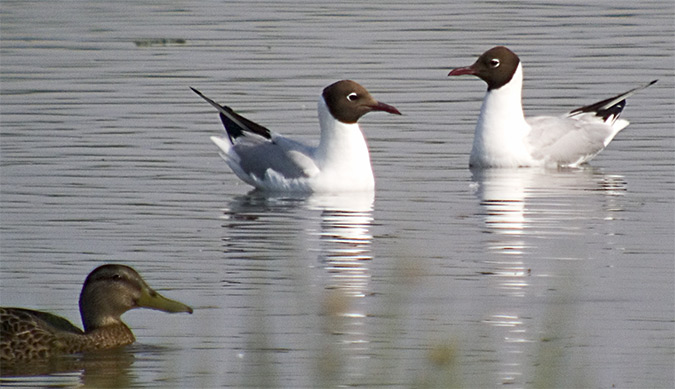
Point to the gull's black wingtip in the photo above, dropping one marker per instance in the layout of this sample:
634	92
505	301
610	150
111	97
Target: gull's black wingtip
196	91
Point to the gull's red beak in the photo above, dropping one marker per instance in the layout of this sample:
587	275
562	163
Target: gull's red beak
462	71
385	107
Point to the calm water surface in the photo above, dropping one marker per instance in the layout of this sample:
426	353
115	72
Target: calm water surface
446	276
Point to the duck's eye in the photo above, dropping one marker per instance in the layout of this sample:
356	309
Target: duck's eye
494	63
352	96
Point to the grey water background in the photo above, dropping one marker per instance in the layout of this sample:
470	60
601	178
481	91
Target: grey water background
447	277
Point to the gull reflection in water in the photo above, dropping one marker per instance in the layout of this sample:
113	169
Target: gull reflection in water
345	252
345	239
502	196
529	216
313	252
521	206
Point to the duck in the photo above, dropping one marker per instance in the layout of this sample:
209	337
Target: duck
108	291
503	137
272	162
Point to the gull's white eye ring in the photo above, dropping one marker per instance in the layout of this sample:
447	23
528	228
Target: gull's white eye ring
494	63
352	96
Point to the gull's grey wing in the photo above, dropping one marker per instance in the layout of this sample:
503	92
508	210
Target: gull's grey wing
253	149
569	141
289	158
582	134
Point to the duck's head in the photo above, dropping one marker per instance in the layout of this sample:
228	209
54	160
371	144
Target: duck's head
111	290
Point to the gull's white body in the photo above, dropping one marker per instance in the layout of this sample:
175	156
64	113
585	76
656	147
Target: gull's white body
340	162
505	138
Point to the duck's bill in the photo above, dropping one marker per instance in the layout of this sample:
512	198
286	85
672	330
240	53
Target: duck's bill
153	300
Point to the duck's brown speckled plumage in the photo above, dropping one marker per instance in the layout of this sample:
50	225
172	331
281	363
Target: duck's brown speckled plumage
108	292
26	335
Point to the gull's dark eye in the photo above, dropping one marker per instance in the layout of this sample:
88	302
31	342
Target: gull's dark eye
116	277
494	63
352	96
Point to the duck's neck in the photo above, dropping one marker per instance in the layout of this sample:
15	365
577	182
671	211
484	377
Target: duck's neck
102	327
110	336
501	128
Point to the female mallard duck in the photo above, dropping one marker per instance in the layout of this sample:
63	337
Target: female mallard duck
108	292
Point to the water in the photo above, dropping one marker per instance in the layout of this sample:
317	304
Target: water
446	277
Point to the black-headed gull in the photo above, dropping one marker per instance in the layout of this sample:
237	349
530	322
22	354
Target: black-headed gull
272	162
505	138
